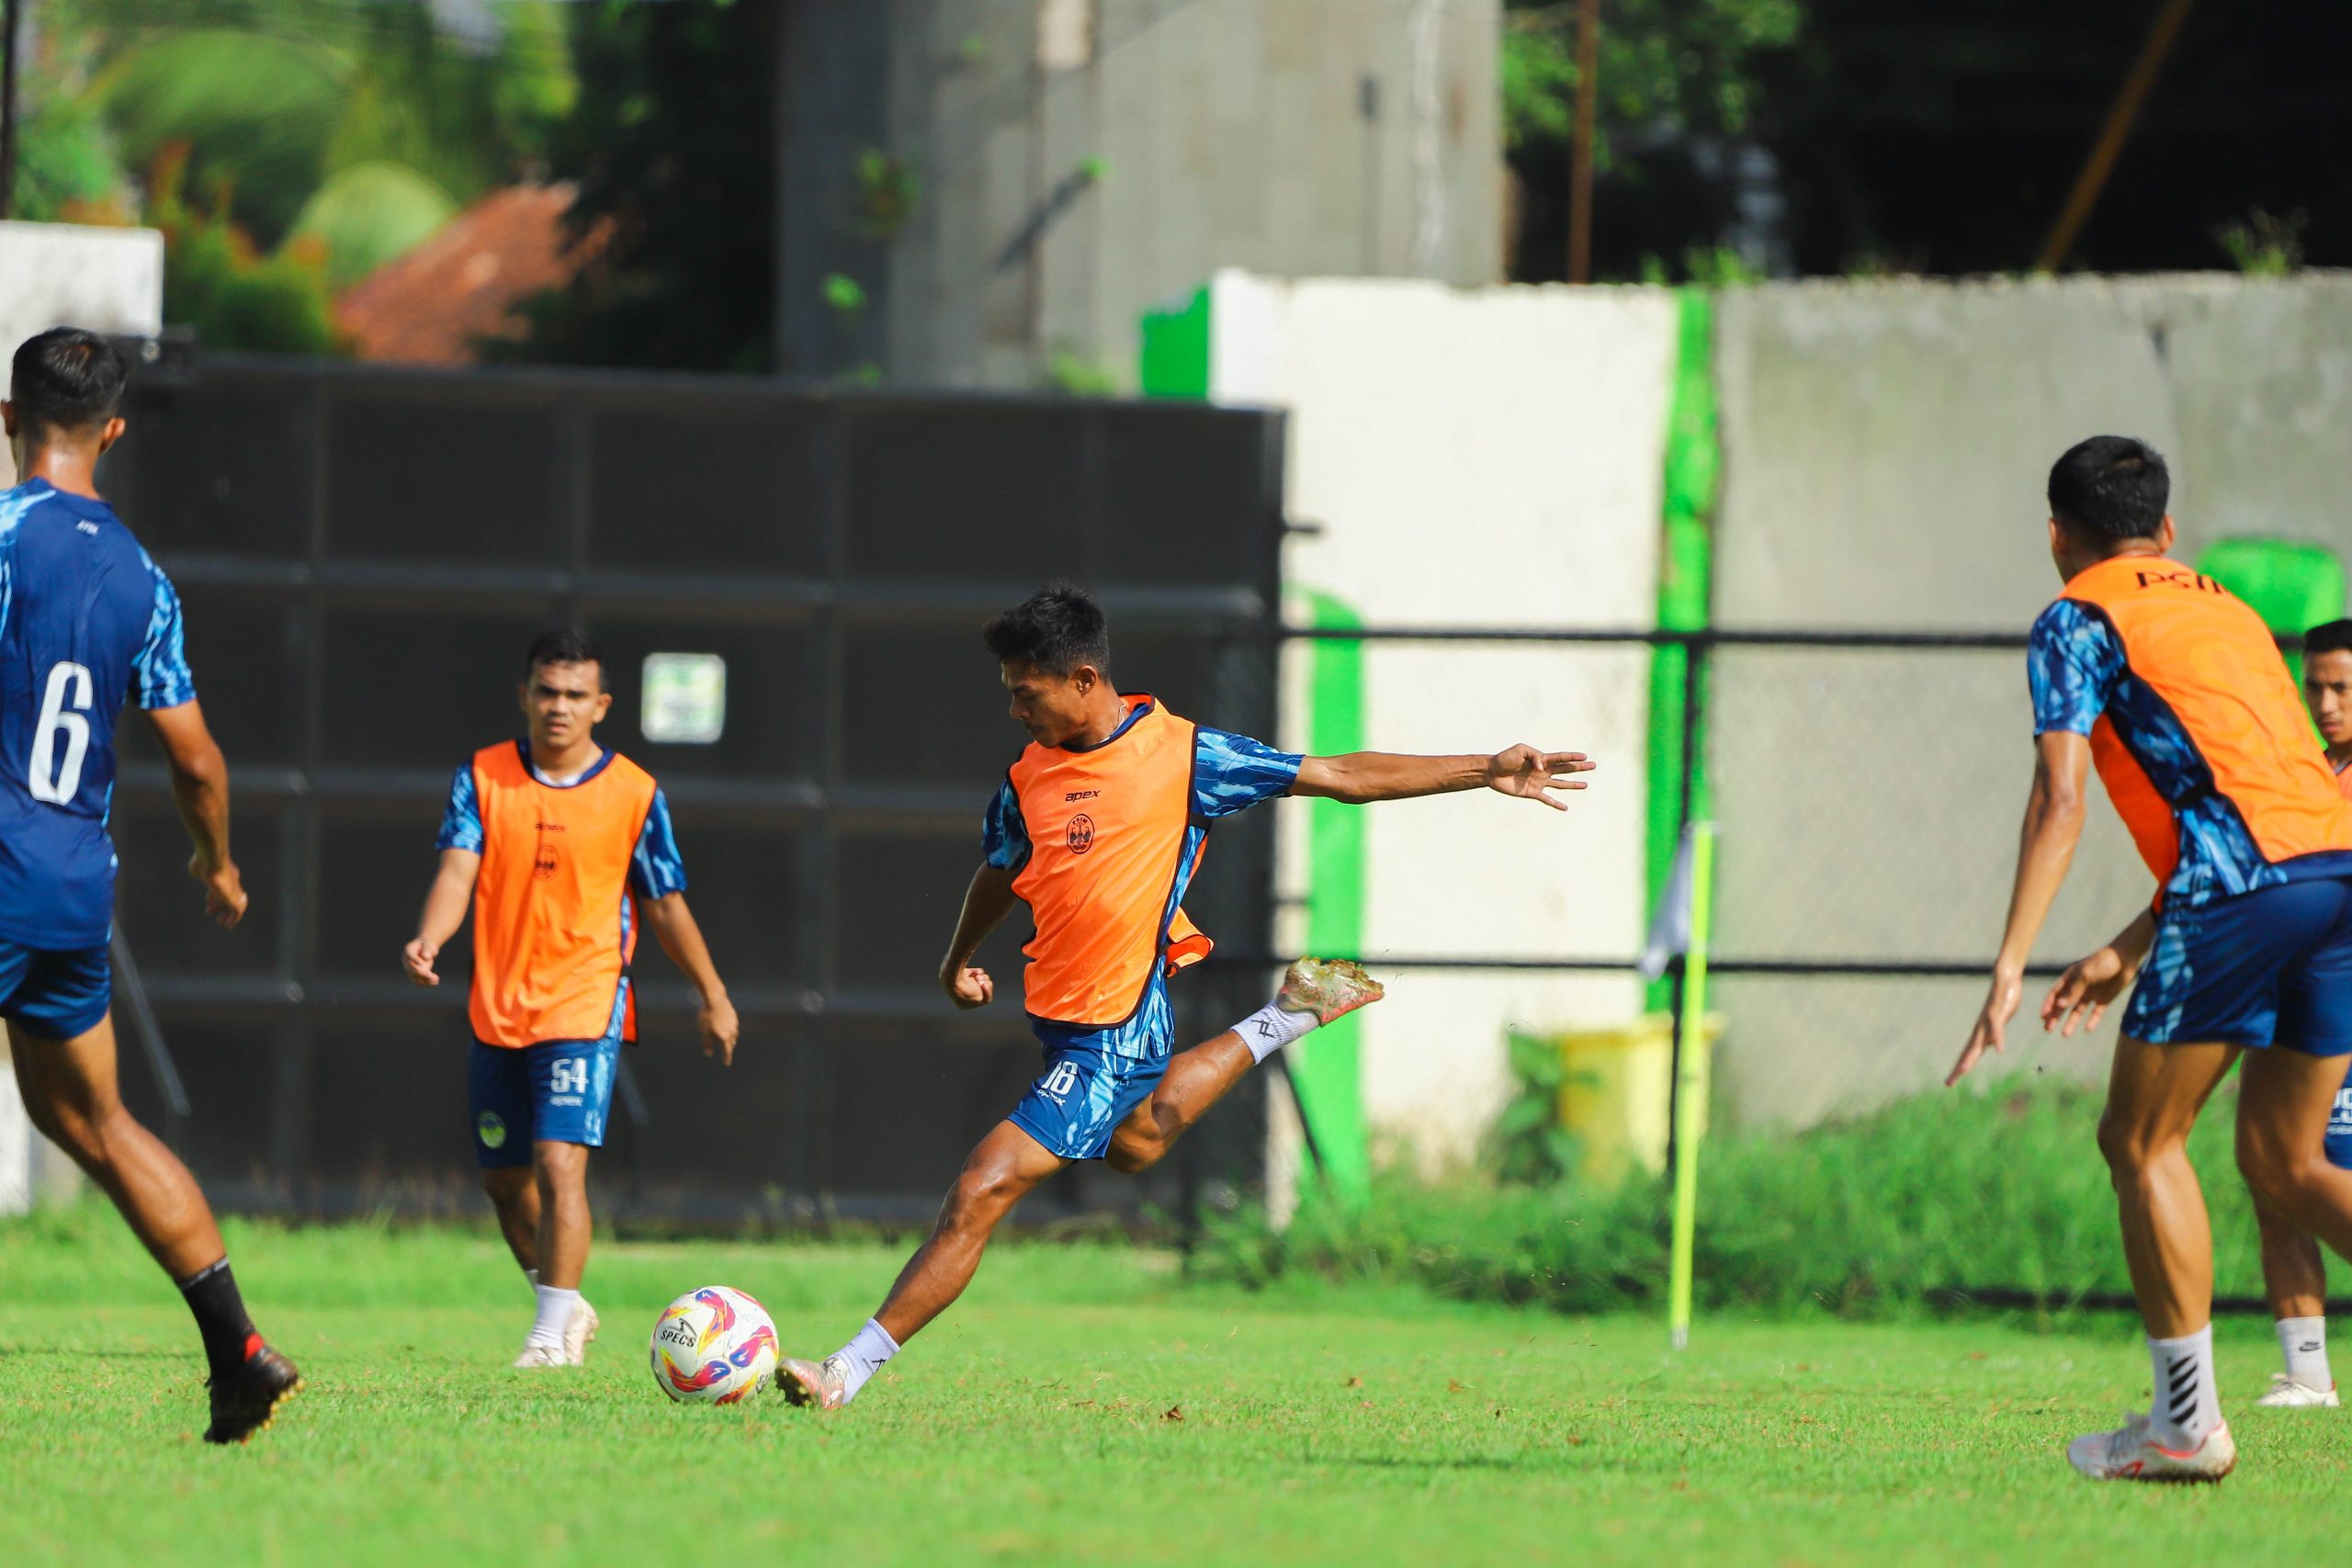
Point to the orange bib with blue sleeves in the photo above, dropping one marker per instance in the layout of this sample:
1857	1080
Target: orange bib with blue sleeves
2216	668
555	923
1106	836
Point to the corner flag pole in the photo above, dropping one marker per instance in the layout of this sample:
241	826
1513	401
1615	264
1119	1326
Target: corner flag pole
1691	1083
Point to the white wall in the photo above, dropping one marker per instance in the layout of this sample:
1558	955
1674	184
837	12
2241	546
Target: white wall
1489	458
109	280
1886	446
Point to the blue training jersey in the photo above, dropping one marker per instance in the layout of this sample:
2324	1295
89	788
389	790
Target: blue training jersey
86	620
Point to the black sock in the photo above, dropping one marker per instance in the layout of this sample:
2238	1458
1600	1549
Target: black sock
228	1336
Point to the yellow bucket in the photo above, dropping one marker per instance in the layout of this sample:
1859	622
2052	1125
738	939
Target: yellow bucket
1617	1092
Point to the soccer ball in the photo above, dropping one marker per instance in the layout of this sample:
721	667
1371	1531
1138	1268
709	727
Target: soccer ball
713	1346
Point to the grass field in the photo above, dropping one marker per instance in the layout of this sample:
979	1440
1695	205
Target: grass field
1083	1405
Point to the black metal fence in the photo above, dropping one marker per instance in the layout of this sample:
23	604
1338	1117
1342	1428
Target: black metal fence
364	554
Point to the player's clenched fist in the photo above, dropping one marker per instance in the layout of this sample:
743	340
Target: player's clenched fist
224	889
417	959
969	986
1525	770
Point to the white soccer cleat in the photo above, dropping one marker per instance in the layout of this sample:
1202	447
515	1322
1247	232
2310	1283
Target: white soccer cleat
580	1329
2294	1393
814	1385
538	1356
1328	987
2132	1454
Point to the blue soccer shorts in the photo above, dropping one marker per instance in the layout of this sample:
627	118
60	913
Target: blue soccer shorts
2269	966
1095	1077
558	1092
55	994
2339	1129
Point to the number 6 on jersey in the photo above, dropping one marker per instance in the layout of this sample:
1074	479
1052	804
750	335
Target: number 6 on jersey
60	711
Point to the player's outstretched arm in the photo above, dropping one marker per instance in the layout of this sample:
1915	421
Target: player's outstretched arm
986	903
201	790
673	927
2054	826
445	903
1362	777
2084	991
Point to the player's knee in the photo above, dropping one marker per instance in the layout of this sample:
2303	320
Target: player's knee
980	1197
2125	1144
1130	1154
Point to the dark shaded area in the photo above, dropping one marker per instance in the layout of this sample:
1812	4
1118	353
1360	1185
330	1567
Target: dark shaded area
1943	139
673	146
355	620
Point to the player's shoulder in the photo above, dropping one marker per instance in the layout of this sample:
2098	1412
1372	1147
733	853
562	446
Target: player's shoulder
627	769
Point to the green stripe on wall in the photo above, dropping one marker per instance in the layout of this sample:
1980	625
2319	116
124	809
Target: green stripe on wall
1686	558
1328	1066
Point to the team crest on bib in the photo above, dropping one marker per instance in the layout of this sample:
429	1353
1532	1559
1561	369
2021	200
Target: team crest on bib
1082	833
492	1129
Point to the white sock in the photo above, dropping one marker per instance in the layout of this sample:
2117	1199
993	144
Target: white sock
1271	1028
2187	1406
2305	1342
864	1356
555	1311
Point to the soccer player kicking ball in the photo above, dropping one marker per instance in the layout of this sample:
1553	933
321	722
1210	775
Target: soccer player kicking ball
2177	692
2293	1274
1098	827
560	845
85	618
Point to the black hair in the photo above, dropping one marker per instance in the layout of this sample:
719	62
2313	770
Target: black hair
66	378
2110	487
1058	629
2335	637
565	645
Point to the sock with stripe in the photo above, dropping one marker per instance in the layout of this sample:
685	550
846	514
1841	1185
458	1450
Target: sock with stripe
2303	1341
229	1337
1271	1028
2186	1406
864	1356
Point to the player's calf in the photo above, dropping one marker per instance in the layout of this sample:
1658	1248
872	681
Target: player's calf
1314	992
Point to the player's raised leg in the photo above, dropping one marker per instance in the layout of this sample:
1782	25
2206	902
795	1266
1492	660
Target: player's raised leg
70	1092
999	1172
1314	991
2154	1095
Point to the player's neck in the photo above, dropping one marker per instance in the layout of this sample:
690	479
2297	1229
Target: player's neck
66	469
1101	724
2340	757
573	759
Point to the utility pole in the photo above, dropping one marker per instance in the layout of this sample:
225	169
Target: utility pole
2113	134
8	9
1580	153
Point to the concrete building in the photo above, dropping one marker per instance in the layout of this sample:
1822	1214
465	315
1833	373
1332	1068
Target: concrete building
991	193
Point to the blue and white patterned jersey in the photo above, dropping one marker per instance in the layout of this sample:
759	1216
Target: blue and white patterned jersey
86	620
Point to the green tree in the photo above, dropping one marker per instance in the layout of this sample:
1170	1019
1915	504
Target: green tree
672	149
1670	71
330	135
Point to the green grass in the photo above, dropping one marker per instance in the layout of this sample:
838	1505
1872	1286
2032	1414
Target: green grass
1037	1425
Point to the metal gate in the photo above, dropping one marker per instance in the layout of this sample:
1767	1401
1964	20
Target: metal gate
364	554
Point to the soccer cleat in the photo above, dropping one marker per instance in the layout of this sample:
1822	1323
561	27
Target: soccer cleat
1328	987
2294	1393
2132	1454
536	1355
245	1401
580	1329
817	1385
